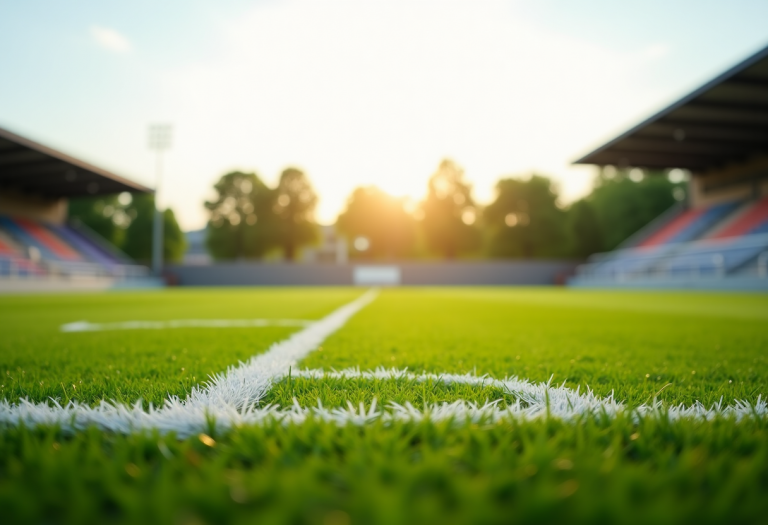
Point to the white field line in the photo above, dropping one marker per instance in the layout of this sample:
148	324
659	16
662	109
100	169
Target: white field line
85	326
230	399
532	400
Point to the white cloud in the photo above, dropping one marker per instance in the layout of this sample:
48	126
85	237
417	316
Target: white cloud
378	92
110	39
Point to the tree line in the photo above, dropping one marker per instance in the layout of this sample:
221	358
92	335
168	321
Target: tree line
526	219
249	220
126	220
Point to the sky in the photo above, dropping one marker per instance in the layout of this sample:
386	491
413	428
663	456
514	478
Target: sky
355	92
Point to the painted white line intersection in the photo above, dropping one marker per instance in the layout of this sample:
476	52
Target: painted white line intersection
231	398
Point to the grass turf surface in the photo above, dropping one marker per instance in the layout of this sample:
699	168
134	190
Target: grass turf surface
703	346
597	469
38	361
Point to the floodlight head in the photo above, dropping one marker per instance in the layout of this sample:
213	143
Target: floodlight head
160	136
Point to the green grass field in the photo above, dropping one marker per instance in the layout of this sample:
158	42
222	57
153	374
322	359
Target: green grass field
678	348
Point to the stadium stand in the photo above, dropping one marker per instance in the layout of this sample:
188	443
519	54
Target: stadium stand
719	133
37	241
690	224
752	220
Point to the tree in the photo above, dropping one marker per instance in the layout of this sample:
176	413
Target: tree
584	229
381	219
449	213
138	236
106	215
242	222
623	206
524	219
294	208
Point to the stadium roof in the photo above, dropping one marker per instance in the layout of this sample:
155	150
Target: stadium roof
33	168
724	121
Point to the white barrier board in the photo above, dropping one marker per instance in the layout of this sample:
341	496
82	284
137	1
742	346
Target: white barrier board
376	275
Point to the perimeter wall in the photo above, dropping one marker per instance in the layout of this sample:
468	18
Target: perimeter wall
406	274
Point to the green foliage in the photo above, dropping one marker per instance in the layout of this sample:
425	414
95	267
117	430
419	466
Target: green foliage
624	206
248	219
584	229
106	215
450	214
381	219
174	241
138	236
126	222
294	209
242	223
524	219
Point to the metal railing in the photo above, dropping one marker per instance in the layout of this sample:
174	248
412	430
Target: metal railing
14	267
704	259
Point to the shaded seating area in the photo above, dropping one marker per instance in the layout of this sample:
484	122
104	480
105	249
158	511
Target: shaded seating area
718	134
37	242
690	224
720	240
29	247
753	220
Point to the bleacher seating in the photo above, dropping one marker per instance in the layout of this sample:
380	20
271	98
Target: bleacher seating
717	257
753	220
30	247
45	238
7	248
715	241
690	225
13	259
86	246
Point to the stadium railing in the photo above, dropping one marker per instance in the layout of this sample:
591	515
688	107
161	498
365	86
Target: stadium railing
709	258
14	267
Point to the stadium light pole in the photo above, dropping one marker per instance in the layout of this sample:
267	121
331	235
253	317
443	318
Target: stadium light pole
159	141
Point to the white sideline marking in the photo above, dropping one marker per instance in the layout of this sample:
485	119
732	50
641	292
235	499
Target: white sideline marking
85	326
230	399
532	400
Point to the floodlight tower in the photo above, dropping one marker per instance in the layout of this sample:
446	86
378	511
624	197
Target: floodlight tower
159	141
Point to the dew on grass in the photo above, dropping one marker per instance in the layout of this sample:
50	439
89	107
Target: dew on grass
207	440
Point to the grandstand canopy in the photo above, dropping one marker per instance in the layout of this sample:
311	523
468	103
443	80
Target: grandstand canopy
724	121
33	168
